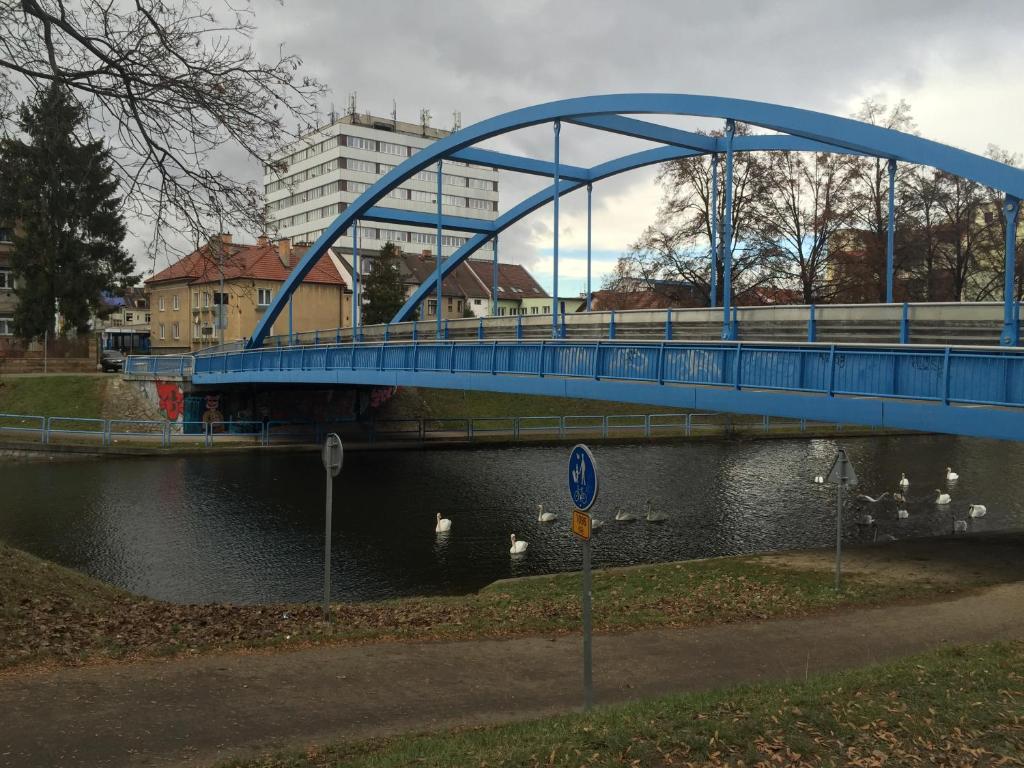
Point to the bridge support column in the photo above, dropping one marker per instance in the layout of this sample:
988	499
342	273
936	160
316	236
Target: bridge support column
728	330
890	237
356	300
714	230
590	293
554	243
438	256
1010	337
494	279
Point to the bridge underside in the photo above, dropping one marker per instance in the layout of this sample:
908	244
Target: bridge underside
923	390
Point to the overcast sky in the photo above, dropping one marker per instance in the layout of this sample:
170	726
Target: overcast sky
957	63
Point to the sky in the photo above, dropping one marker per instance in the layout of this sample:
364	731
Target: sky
956	63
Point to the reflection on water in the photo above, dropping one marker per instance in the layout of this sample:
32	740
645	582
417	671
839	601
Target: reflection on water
249	528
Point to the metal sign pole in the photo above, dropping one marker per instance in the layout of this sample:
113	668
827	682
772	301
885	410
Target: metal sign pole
588	664
327	545
839	534
333	455
583	493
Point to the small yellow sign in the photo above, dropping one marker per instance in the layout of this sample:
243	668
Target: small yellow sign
581	524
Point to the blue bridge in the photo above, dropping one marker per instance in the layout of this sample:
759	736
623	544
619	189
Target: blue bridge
946	368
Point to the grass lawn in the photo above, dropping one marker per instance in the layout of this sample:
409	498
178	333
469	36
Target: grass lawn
418	403
954	707
52	614
80	396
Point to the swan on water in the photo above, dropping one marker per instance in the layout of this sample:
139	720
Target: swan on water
655	517
443	524
867	498
951	475
977	510
544	517
623	516
595	523
904	480
518	547
902	514
819	479
942	498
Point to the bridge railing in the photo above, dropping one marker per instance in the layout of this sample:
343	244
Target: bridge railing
987	376
153	366
976	323
128	433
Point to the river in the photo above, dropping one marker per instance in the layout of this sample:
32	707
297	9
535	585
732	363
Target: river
249	527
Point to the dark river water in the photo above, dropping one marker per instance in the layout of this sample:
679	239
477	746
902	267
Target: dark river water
249	528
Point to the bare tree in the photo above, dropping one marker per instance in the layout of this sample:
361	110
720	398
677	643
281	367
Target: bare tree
677	246
871	195
806	203
167	85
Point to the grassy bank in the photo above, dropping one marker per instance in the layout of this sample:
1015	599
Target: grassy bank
78	396
951	707
52	614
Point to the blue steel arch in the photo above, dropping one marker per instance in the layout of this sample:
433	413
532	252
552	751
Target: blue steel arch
818	132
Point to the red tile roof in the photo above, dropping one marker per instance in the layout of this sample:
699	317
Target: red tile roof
514	281
258	262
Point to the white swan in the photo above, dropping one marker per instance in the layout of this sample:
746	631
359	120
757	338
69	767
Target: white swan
902	514
819	479
595	524
942	498
655	517
867	498
518	547
904	480
443	524
977	510
951	475
544	517
624	517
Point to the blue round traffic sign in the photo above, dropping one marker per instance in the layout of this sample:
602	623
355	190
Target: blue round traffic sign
582	478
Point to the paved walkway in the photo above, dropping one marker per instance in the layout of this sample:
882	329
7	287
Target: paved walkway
199	711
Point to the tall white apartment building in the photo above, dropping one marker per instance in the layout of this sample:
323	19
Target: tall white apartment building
329	167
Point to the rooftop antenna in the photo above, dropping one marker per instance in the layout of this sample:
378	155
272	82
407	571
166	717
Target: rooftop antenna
352	104
394	113
334	115
425	120
456	121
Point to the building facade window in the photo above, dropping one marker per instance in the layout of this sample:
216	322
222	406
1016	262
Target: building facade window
160	306
175	302
431	307
422	196
206	299
176	329
390	148
263	296
363	166
163	334
195	299
533	310
6	325
6	235
6	279
358	142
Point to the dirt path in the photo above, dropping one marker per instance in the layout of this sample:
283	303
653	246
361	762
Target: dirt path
199	711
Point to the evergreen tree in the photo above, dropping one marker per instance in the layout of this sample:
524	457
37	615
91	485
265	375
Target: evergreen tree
383	292
58	190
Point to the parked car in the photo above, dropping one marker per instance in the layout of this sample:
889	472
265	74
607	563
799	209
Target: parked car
111	360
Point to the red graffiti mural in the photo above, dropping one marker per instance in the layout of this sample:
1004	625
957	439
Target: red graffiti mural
172	401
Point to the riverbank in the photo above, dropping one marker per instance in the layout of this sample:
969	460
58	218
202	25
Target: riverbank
50	615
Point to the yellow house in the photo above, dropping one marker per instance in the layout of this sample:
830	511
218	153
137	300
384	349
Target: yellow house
185	299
